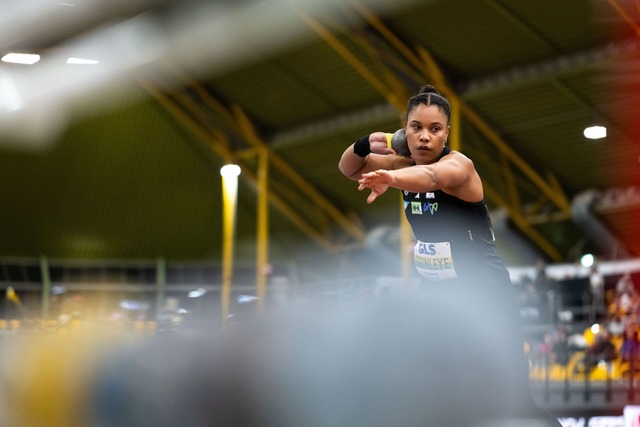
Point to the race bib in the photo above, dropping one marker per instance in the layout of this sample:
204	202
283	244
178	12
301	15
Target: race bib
434	261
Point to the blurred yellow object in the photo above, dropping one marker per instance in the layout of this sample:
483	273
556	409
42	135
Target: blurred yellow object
589	336
575	370
12	296
55	389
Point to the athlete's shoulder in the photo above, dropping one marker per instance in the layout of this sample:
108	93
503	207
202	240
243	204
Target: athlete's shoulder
454	153
457	156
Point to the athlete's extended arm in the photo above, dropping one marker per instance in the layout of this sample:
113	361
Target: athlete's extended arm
456	175
381	157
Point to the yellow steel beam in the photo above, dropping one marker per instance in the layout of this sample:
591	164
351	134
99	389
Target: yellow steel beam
558	197
355	229
392	86
512	191
262	255
455	139
352	60
524	225
433	71
213	141
223	152
398	44
202	93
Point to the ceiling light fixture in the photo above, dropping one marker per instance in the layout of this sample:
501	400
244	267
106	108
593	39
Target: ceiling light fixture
82	61
230	170
21	58
587	260
595	132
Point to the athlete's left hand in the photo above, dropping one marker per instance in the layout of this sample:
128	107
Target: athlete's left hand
378	181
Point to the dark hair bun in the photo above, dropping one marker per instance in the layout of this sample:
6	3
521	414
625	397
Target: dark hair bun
429	89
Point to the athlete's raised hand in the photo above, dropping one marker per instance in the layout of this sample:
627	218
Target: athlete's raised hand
378	181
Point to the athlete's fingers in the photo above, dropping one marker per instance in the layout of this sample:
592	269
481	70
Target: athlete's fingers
368	175
366	182
387	151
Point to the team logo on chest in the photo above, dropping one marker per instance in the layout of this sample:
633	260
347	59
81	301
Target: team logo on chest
432	208
418	207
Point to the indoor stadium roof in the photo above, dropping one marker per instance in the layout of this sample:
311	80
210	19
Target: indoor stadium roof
120	159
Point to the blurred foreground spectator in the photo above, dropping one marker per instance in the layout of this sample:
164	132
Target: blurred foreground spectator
402	361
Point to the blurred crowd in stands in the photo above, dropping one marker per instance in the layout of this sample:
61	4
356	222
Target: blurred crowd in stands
601	329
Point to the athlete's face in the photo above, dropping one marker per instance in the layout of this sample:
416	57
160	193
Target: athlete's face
427	130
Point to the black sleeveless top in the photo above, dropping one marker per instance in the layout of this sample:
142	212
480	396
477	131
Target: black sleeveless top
439	217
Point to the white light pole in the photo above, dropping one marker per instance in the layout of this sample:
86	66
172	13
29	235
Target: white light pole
229	197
